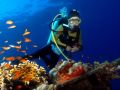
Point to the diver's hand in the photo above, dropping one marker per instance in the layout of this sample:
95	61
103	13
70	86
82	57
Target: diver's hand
75	49
68	48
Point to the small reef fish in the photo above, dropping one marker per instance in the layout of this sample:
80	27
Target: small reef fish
27	40
19	42
17	47
26	32
11	27
6	48
9	22
9	58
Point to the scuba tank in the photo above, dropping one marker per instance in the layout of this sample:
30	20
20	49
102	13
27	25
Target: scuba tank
58	20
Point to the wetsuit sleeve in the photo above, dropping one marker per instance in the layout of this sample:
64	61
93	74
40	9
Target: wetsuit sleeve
57	34
80	41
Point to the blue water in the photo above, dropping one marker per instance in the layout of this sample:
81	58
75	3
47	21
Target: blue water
100	26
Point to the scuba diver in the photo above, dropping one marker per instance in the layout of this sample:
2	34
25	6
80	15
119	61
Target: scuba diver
65	36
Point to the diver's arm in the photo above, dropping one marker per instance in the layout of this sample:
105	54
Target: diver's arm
57	34
77	46
80	42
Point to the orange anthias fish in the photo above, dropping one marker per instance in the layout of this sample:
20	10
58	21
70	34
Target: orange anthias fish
9	58
27	40
23	60
6	48
26	32
19	42
7	66
13	26
9	22
17	47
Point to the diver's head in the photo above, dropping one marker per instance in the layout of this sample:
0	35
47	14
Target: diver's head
74	19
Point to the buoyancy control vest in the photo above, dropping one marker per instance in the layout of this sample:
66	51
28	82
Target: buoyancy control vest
67	39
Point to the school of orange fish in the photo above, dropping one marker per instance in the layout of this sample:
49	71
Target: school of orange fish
18	46
15	72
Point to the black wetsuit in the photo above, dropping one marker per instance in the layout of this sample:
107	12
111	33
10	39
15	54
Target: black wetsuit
46	53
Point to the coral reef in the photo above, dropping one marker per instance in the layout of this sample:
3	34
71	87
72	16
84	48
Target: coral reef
66	75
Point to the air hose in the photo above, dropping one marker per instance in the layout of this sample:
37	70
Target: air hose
53	36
